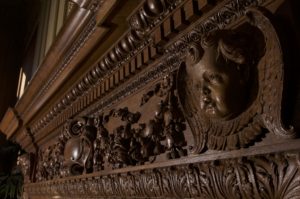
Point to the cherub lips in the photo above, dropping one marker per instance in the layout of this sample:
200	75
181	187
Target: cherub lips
207	105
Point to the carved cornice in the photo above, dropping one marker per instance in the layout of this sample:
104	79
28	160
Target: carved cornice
150	14
268	176
75	32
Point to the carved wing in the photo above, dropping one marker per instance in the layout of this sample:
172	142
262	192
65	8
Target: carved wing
188	103
272	80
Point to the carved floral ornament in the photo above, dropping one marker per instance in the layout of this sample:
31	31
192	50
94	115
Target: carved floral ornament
230	85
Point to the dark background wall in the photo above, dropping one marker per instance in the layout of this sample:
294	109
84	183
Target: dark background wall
18	22
11	35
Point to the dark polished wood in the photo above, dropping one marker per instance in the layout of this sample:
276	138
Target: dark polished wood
164	99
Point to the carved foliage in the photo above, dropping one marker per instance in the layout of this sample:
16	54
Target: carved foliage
168	124
122	146
50	162
132	145
270	176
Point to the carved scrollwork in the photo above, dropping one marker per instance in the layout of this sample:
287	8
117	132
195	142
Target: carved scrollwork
227	86
72	153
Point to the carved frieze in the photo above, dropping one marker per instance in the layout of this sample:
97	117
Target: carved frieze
268	176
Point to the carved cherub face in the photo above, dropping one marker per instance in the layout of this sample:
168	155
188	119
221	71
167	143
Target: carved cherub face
220	87
218	81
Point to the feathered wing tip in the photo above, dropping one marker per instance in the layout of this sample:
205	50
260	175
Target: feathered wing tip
274	75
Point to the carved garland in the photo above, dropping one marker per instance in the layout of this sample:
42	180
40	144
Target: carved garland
86	145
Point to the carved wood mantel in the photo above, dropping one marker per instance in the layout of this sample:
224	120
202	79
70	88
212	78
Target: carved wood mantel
163	99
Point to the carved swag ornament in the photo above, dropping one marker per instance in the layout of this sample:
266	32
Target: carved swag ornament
231	83
134	142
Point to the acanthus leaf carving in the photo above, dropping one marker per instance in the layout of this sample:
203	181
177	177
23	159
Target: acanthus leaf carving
268	176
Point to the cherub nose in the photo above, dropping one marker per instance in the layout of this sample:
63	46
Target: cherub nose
205	90
205	99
